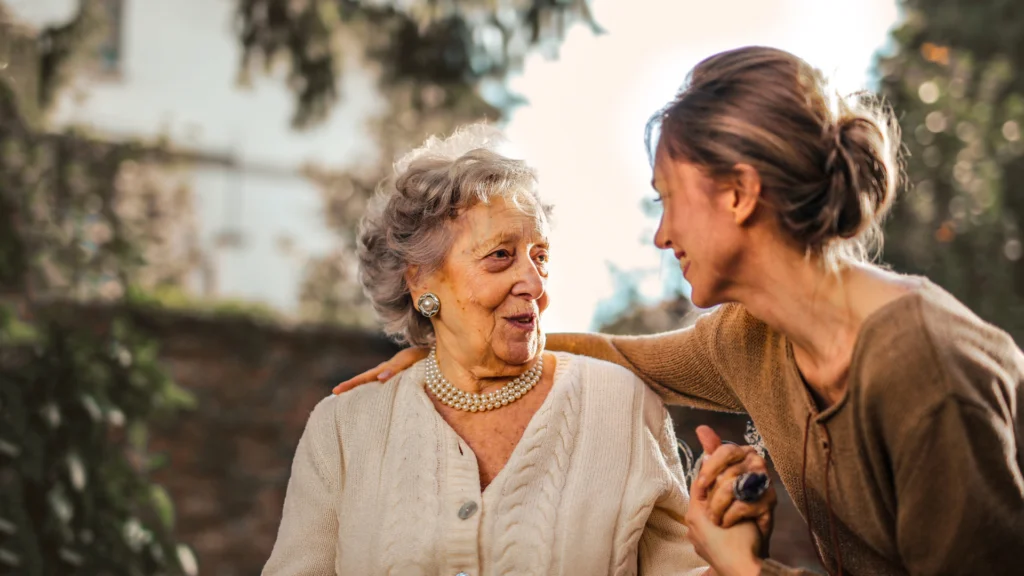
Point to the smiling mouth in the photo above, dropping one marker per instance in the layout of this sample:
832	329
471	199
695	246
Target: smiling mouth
523	321
684	263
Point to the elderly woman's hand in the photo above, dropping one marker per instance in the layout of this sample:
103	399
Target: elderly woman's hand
386	369
714	486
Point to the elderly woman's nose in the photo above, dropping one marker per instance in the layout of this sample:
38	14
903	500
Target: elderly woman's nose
530	280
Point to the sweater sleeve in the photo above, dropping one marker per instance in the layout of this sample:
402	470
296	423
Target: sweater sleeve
682	366
942	395
960	495
307	538
664	547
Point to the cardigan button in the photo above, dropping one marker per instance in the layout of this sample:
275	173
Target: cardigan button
462	574
467	510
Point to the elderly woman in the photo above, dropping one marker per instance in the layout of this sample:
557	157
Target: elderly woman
490	456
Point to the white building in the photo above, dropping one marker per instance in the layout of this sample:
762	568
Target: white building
169	68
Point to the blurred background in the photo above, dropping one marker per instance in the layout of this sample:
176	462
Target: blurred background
180	182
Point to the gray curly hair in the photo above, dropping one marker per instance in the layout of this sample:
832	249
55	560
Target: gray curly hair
409	219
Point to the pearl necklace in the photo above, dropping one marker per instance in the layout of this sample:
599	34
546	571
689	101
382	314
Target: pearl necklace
451	396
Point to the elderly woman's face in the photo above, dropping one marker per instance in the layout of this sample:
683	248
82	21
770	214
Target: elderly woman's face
492	285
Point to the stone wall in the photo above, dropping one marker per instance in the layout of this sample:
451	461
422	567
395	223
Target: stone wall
229	459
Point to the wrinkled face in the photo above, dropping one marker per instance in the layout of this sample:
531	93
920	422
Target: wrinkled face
492	287
698	227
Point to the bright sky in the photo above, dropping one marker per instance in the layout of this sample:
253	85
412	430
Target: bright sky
583	128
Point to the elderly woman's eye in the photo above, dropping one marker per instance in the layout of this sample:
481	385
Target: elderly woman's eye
502	254
542	257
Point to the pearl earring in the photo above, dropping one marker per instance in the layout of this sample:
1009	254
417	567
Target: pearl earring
428	304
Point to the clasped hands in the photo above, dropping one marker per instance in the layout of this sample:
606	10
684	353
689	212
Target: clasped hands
731	535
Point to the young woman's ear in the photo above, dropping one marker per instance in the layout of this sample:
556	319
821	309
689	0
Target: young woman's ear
746	193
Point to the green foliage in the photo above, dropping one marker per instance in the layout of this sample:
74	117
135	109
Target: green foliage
75	399
62	45
443	44
955	79
75	495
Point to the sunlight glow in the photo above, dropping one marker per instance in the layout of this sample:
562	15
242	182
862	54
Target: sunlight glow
583	127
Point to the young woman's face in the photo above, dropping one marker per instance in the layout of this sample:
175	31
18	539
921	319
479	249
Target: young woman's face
698	226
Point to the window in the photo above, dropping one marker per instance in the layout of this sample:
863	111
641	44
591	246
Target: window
110	49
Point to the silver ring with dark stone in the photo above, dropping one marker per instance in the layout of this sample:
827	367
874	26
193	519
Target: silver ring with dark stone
749	487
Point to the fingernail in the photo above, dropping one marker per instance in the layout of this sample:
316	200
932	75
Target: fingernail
384	375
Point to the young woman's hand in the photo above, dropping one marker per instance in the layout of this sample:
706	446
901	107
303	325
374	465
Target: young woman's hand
385	370
729	551
721	466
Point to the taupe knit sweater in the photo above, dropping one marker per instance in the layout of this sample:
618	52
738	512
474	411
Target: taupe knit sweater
382	485
917	470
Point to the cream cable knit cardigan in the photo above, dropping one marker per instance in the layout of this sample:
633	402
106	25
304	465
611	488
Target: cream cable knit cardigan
382	485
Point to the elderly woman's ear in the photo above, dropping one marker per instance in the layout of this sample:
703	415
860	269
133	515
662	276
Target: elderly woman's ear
418	283
414	281
424	300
